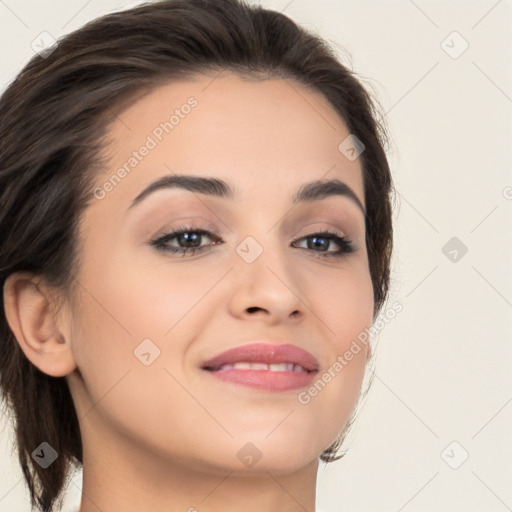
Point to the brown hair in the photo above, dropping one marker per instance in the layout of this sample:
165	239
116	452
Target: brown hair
53	120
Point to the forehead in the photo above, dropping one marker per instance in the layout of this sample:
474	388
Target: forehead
261	136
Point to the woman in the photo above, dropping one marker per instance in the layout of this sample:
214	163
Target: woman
196	223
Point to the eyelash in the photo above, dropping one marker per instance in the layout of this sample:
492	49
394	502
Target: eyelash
347	246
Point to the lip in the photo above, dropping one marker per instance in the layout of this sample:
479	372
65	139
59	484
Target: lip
264	353
268	353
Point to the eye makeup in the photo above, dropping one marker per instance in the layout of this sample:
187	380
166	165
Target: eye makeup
191	236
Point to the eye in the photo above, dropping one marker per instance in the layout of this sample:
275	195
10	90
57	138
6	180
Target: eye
324	239
188	235
188	239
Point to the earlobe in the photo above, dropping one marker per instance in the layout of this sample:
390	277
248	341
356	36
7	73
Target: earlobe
30	312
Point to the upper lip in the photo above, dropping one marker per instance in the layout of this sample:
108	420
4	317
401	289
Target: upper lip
268	353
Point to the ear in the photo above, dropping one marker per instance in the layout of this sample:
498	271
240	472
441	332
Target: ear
30	310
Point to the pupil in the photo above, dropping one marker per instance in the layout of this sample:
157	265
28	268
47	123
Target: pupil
317	244
187	237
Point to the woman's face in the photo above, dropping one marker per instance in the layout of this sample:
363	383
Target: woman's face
148	318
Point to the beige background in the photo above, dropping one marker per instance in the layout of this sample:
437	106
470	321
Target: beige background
444	363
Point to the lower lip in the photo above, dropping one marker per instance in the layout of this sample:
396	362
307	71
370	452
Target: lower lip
266	380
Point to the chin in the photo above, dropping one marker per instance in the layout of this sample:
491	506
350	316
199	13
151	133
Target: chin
279	454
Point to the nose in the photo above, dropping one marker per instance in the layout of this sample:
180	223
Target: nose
266	287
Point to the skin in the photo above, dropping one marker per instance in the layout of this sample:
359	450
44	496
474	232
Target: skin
165	437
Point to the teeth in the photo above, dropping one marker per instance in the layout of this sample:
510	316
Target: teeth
242	366
274	367
281	367
257	366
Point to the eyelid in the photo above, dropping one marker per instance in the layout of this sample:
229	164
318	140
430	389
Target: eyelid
319	229
200	223
331	226
347	246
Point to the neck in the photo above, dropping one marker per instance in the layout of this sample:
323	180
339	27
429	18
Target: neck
119	475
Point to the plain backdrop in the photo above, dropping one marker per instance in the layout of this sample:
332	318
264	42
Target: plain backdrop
434	432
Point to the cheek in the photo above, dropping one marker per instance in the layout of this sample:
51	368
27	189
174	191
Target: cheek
107	339
344	304
342	299
139	298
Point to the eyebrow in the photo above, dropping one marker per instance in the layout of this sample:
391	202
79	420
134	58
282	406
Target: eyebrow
313	191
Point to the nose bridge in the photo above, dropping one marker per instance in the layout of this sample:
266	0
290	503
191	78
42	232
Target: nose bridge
263	247
263	244
265	276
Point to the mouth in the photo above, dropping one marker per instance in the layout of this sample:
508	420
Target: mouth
264	366
275	367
